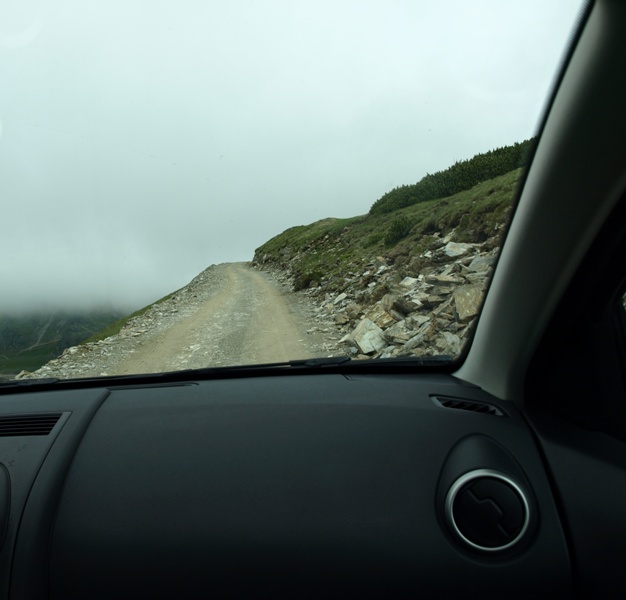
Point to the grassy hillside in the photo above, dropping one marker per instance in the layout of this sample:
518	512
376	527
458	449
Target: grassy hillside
461	176
29	341
116	326
330	248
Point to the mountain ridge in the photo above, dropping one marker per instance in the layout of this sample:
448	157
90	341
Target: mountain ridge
30	340
406	283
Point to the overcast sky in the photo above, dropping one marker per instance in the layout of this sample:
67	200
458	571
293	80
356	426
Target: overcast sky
141	141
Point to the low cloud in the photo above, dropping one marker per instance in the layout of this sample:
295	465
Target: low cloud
140	143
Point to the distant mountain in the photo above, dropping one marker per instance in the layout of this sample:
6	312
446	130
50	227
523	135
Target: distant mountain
29	341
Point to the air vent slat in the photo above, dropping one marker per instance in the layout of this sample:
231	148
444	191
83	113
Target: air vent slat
19	425
468	405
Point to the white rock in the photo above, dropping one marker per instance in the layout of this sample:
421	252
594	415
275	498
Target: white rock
481	264
379	316
409	282
369	337
467	301
456	249
388	353
449	343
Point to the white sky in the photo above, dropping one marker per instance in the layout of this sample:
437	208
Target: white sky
141	141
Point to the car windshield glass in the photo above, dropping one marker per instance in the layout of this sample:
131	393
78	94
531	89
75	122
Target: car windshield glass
197	184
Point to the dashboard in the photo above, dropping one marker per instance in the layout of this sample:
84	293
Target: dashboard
291	486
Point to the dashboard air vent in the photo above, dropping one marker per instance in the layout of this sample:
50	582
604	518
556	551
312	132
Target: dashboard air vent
487	510
18	425
469	405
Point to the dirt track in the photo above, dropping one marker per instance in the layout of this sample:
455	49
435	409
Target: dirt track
248	320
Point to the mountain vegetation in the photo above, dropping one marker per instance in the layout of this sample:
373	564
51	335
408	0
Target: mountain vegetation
461	176
327	250
29	341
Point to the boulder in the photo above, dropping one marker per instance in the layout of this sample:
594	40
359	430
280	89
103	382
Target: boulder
353	310
439	290
409	283
399	333
339	298
431	300
380	316
341	319
467	301
368	337
444	308
397	316
393	302
477	277
454	249
481	264
449	343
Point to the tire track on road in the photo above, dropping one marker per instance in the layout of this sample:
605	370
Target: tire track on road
248	320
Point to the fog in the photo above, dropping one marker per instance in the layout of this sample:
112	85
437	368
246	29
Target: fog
142	141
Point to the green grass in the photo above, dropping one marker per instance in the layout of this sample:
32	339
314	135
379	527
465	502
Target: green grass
331	248
29	360
115	327
30	340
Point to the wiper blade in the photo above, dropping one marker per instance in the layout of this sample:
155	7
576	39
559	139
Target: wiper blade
405	361
330	362
326	361
176	375
27	382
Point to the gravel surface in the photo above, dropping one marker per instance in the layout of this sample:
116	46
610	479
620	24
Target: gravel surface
230	314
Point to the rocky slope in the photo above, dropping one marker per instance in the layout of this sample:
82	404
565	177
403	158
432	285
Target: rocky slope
370	312
382	313
98	358
407	283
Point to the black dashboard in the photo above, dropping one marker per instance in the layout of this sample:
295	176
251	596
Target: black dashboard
296	486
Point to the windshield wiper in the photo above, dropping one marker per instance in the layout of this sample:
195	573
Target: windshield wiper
327	361
27	382
332	363
438	359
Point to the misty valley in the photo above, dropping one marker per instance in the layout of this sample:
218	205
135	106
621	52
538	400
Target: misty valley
29	341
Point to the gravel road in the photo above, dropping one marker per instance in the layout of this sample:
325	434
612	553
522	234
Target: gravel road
248	320
230	314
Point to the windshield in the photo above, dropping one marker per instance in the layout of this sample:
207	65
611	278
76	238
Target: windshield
198	184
